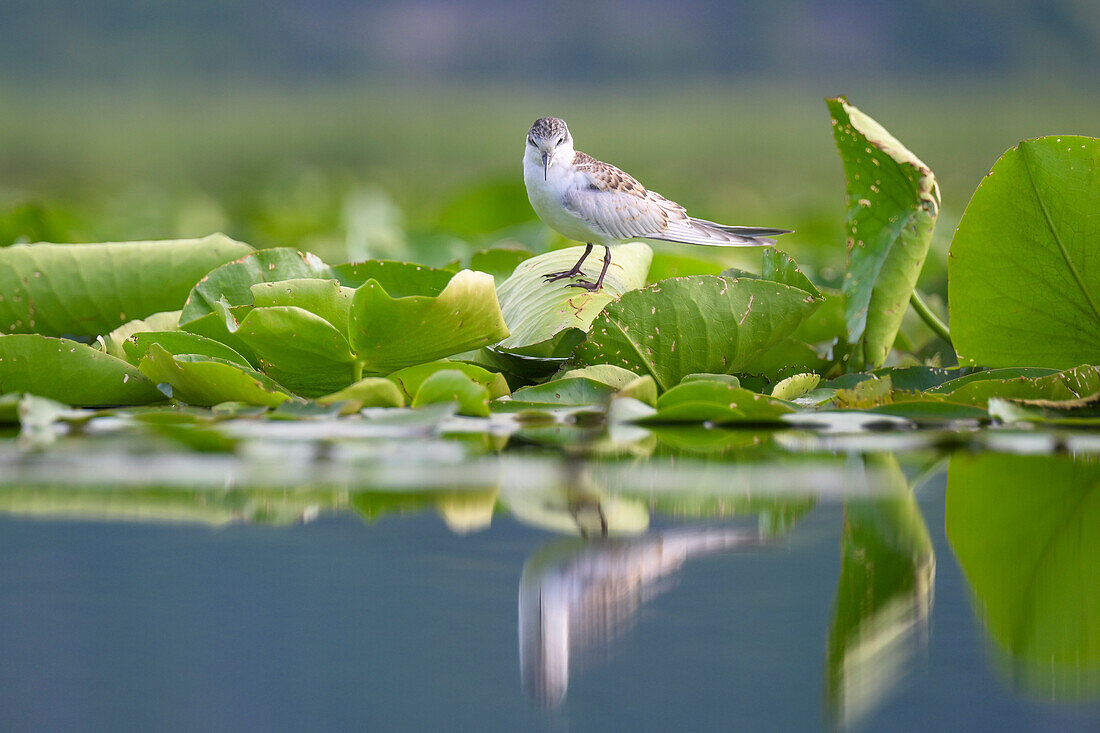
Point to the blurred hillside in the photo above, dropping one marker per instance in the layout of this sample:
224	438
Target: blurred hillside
570	40
396	128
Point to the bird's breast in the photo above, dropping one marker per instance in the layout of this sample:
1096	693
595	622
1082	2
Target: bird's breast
546	198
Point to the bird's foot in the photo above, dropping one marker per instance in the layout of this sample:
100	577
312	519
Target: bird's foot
552	276
586	285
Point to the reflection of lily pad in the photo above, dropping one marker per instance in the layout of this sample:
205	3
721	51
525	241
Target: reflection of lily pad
1026	531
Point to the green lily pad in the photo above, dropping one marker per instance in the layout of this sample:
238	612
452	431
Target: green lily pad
206	381
70	372
868	393
114	343
608	374
299	349
1072	384
369	392
795	386
399	279
411	378
1024	276
325	298
179	342
390	333
967	376
930	412
221	326
500	262
567	391
893	202
1026	532
232	282
693	324
536	310
91	289
715	402
451	385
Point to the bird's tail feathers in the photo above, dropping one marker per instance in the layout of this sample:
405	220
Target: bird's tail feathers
701	231
746	231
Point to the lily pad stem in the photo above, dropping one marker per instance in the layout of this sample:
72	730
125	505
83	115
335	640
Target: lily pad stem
929	317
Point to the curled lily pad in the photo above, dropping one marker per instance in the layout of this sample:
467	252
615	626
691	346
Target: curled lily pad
567	391
1073	384
207	381
325	298
232	283
390	333
369	392
299	349
451	385
409	379
114	342
70	372
536	310
693	324
608	374
91	289
893	203
179	342
715	402
400	279
795	386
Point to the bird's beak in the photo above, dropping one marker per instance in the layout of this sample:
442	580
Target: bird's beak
545	166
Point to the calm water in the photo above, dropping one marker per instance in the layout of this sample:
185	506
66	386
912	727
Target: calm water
872	611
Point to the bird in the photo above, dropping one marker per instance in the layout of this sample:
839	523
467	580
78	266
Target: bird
590	201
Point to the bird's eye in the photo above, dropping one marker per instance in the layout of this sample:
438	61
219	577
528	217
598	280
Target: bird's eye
530	141
560	141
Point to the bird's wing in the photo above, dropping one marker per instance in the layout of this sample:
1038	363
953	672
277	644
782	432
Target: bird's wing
612	201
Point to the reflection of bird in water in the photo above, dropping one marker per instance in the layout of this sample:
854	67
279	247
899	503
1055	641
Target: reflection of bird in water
574	597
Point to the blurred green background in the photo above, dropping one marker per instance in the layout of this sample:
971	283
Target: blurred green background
395	129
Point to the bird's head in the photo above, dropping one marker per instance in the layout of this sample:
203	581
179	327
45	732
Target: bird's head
547	140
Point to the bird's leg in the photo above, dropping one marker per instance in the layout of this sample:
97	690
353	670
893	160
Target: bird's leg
593	287
552	276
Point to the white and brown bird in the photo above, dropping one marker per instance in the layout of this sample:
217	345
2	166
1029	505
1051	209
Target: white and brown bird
594	202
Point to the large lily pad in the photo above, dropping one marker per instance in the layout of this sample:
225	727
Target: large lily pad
70	372
536	310
893	202
91	289
1024	272
1026	531
693	324
390	333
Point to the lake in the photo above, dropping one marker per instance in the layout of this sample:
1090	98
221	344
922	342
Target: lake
662	579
